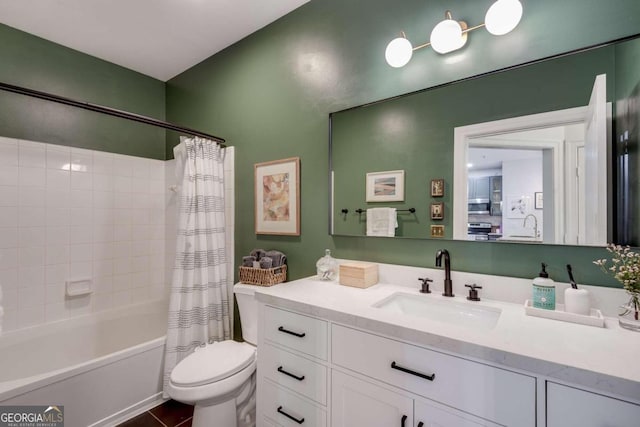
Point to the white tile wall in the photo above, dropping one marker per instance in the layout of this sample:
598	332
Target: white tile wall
68	213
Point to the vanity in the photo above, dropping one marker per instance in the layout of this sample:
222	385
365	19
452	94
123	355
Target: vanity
331	355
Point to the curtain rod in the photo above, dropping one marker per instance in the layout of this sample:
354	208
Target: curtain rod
107	110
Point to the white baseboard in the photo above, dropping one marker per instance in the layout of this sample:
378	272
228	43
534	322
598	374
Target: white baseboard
131	411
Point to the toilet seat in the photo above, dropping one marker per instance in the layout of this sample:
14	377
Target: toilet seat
213	363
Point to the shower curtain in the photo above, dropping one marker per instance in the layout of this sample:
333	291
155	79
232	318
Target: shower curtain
199	300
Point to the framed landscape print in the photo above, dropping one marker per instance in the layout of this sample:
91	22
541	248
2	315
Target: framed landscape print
385	186
277	197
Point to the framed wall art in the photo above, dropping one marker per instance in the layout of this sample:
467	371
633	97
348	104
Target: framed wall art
437	231
277	197
437	210
537	203
385	186
517	206
437	187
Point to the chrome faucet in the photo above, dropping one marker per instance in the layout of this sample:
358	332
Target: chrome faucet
448	285
535	224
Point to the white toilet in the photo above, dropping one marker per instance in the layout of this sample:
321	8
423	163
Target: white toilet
219	378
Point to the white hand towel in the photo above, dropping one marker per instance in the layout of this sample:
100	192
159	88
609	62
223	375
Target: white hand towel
382	222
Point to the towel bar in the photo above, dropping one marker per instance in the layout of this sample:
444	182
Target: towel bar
361	211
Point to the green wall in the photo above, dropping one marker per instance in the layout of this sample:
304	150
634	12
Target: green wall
415	132
270	95
35	63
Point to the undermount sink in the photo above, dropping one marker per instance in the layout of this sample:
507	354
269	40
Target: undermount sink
448	311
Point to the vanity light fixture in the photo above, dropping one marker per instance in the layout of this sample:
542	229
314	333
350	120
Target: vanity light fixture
450	35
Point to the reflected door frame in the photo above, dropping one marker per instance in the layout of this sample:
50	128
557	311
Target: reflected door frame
466	134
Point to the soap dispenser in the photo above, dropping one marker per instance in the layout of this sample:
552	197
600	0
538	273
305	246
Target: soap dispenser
544	290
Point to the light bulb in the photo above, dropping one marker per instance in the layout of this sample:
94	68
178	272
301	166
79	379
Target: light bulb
399	52
447	36
503	16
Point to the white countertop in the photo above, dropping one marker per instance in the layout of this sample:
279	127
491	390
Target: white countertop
603	359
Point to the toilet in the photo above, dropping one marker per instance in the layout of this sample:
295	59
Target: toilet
218	378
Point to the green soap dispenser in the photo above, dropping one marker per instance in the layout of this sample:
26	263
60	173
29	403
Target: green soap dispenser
544	290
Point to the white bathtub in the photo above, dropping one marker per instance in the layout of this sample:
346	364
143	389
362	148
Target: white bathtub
101	367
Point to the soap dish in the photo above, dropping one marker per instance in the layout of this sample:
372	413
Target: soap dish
595	318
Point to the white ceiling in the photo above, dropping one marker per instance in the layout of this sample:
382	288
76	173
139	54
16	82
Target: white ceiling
159	38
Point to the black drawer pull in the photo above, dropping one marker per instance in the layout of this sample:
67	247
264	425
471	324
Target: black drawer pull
420	424
282	371
280	411
282	329
409	371
404	419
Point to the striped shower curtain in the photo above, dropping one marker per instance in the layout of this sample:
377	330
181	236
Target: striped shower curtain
199	300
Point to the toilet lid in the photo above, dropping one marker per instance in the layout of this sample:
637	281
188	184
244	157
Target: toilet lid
212	363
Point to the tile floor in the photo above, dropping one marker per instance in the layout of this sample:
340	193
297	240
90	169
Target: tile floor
169	414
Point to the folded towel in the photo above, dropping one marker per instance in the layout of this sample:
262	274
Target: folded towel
266	262
382	222
277	257
247	261
258	253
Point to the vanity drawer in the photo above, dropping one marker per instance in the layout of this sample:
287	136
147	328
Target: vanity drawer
287	409
297	373
495	394
302	333
266	422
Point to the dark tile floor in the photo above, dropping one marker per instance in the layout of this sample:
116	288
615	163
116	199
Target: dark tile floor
169	414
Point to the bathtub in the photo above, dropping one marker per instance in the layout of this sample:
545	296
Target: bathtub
102	367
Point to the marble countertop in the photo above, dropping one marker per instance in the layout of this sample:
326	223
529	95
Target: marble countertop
603	359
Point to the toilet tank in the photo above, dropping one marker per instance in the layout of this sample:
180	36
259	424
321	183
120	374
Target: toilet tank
248	306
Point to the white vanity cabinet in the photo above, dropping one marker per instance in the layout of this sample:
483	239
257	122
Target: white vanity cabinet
442	378
569	406
303	379
361	403
329	355
292	369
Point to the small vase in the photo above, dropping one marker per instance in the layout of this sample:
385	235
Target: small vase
327	267
629	317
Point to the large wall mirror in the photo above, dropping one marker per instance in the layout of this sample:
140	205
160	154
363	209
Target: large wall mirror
545	153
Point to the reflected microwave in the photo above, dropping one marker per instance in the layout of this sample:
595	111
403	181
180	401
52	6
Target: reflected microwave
479	207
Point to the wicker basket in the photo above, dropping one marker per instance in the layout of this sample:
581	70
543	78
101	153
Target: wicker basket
263	276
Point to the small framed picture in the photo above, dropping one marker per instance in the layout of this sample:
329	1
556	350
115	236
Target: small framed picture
437	231
537	204
277	197
385	186
437	187
437	210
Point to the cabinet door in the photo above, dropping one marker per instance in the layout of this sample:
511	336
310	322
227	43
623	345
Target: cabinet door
568	406
359	403
471	188
430	414
483	190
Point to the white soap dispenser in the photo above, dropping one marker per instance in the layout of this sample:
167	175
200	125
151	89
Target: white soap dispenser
576	300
